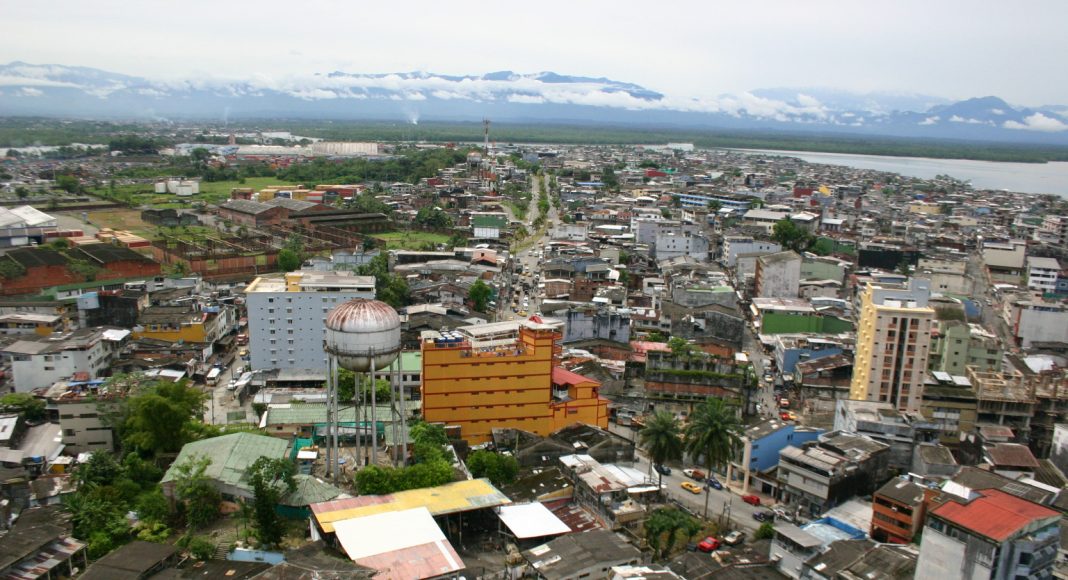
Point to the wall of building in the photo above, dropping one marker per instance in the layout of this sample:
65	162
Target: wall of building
83	429
942	556
480	392
286	329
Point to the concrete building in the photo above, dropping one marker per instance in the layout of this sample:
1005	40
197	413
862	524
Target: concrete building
791	349
893	338
488	225
989	535
19	226
778	275
897	511
881	422
592	323
1038	321
956	345
503	375
671	245
81	407
734	246
287	316
822	474
950	406
1042	274
40	361
761	444
570	232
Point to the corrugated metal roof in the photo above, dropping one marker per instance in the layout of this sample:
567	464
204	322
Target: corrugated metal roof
459	496
994	514
230	455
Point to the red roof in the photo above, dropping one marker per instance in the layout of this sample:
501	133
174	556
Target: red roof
995	515
562	376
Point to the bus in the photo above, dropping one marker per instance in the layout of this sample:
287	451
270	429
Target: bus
213	376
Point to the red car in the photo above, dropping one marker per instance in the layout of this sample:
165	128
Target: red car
709	544
751	500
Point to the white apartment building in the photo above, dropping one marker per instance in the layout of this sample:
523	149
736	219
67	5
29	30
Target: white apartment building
40	361
893	344
1042	273
734	246
778	275
671	245
287	316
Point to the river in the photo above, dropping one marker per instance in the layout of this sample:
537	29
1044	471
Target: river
1022	177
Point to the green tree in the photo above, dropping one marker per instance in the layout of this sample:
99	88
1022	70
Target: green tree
499	469
656	336
271	479
375	480
662	530
101	470
713	433
479	294
153	506
288	260
22	192
382	390
791	237
194	491
680	346
766	531
661	440
68	183
31	408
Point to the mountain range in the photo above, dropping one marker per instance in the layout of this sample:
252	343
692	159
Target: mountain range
506	96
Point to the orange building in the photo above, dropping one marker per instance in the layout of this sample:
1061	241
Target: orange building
503	375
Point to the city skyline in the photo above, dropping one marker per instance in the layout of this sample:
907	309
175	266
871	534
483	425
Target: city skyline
949	50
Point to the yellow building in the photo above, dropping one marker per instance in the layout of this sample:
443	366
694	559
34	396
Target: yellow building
180	323
893	343
501	375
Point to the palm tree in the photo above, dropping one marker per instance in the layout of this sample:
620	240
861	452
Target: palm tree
661	440
714	432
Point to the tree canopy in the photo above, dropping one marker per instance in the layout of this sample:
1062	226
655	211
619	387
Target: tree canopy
660	438
479	294
499	469
271	480
791	236
713	433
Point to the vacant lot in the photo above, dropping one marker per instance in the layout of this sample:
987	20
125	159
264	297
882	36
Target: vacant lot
410	240
210	192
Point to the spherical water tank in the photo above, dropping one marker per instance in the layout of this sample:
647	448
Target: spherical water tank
358	328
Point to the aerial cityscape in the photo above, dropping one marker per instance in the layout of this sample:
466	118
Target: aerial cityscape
556	291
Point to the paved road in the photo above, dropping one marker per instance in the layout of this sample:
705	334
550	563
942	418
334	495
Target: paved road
721	503
529	260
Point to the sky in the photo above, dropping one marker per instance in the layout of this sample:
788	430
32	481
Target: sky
946	48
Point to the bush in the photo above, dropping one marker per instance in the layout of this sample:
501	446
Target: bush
766	531
200	547
500	469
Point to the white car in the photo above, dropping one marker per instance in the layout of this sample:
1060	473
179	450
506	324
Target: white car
734	538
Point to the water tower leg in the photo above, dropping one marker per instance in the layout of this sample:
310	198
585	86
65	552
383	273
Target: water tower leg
392	371
335	426
403	419
331	393
374	414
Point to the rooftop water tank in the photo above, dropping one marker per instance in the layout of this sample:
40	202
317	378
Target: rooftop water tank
360	327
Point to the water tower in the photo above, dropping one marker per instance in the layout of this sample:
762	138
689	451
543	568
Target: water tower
363	336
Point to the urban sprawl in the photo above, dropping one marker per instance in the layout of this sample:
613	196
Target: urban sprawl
257	355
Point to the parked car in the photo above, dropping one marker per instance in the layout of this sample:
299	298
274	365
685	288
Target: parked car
783	515
662	469
694	474
708	544
751	500
714	483
788	416
764	516
691	487
734	538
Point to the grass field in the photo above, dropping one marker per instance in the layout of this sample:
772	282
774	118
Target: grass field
214	192
410	240
123	219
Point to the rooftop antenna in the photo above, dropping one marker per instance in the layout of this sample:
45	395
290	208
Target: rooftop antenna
485	134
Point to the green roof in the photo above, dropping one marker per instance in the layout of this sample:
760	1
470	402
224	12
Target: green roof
231	456
314	413
411	362
310	490
489	221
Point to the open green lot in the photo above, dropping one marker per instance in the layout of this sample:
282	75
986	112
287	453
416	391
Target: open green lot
410	240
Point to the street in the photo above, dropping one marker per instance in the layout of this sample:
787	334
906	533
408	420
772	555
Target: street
529	260
723	505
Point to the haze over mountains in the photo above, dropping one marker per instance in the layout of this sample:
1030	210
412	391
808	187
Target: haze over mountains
505	96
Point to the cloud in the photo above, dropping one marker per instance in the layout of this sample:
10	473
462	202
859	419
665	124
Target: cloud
1038	122
959	119
29	92
931	120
